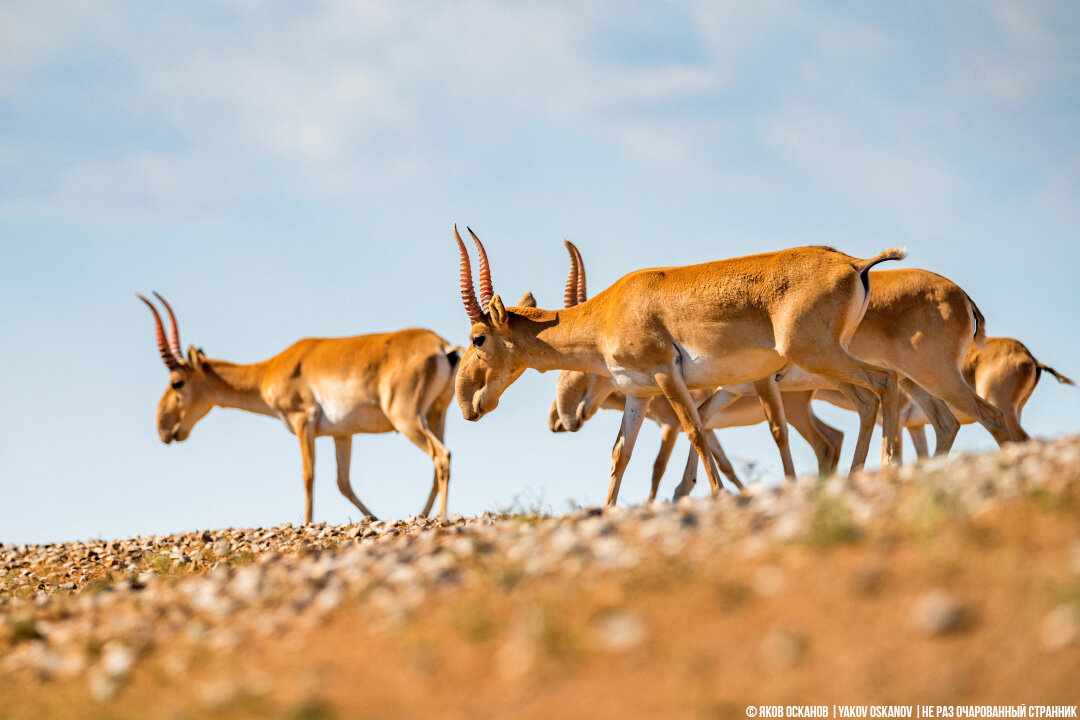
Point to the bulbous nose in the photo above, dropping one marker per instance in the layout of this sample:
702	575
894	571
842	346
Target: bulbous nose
572	424
173	434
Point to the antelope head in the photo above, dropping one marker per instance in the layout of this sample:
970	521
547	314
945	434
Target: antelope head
493	361
577	394
187	399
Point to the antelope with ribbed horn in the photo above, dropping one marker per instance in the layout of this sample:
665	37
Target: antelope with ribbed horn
579	395
376	383
668	331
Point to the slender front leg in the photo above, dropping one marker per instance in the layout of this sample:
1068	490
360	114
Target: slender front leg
305	431
866	405
938	413
769	395
343	446
668	436
918	439
721	459
675	390
824	439
689	476
415	428
892	452
632	418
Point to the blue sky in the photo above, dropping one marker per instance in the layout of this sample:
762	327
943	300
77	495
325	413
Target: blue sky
288	170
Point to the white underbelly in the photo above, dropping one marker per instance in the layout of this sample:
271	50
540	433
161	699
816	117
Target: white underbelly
342	418
701	369
632	382
742	413
796	379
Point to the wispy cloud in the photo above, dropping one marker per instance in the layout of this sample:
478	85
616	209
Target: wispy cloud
346	94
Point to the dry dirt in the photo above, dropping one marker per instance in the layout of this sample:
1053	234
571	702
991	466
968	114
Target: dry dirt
943	583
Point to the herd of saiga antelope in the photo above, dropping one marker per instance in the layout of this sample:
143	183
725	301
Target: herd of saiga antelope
720	344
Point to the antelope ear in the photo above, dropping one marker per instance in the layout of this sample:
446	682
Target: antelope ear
527	300
500	321
196	357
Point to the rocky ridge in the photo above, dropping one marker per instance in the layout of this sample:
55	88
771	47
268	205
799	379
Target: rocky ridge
96	610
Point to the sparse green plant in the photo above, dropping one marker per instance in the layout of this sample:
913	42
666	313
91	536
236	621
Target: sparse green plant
1057	591
472	617
753	472
554	635
242	558
733	594
23	629
831	522
162	564
99	584
658	574
528	505
313	709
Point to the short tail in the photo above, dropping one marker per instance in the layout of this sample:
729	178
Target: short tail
453	354
862	266
1060	378
980	323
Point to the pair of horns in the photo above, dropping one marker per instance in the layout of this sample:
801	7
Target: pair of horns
170	350
475	310
574	293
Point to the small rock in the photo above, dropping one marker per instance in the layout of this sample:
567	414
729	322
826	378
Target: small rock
103	687
768	580
868	580
618	631
782	649
938	613
216	694
1061	627
117	660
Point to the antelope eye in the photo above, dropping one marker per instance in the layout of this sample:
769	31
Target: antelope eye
177	384
478	340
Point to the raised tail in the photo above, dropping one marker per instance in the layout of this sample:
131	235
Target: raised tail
980	323
862	266
1060	378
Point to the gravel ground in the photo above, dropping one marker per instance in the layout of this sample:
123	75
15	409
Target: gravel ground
92	612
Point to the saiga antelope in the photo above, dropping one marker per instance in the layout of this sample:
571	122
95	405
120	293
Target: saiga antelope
1004	373
667	331
377	383
917	323
587	393
921	325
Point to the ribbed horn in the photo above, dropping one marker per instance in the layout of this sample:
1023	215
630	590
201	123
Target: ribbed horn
174	329
167	356
486	291
582	295
570	291
468	295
